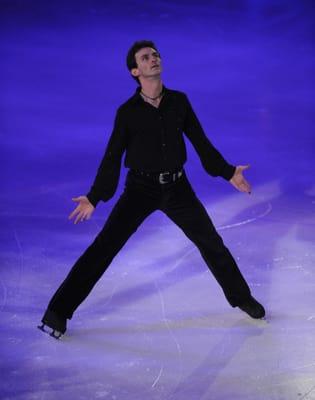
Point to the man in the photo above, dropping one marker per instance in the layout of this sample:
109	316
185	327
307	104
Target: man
149	129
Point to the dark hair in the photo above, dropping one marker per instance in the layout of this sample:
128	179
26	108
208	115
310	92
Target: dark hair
131	59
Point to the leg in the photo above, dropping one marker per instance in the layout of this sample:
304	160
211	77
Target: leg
184	208
129	212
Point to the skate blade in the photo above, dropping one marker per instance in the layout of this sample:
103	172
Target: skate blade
53	332
42	328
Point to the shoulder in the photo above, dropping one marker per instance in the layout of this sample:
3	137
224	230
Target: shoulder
125	106
178	96
125	111
176	93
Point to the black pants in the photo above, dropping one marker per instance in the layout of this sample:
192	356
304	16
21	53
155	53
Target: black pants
140	198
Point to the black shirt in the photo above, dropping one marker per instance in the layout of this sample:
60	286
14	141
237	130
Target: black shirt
153	141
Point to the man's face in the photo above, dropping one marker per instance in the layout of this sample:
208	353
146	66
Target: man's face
148	63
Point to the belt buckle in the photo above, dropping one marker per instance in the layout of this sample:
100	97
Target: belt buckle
161	178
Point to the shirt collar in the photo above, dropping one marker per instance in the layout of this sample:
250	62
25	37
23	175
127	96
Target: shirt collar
138	98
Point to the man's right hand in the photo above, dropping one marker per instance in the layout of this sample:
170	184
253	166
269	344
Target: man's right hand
84	209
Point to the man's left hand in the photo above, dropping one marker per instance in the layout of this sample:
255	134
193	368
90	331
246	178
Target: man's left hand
238	180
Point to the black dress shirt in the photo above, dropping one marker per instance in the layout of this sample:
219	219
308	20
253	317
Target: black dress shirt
153	141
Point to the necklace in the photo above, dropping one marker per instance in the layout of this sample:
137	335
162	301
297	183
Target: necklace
153	98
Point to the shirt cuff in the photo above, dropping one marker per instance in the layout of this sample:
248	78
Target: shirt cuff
228	171
92	199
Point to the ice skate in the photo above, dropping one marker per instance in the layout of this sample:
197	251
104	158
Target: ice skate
53	324
253	308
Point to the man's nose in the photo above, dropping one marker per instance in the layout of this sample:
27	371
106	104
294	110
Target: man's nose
153	59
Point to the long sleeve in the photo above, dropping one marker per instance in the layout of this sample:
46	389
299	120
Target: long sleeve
212	161
107	177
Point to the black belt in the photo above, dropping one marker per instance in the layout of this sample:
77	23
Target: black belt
161	177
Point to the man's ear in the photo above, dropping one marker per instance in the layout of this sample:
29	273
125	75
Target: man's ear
135	72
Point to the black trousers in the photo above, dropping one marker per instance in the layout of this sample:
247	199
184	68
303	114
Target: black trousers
140	198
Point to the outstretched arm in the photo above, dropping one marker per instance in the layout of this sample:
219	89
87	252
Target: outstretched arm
238	180
107	177
212	160
106	180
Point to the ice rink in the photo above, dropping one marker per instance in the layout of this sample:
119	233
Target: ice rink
157	325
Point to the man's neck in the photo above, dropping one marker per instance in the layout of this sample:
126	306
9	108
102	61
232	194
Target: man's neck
151	88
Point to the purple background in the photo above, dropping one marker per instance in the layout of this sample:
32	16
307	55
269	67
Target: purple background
157	326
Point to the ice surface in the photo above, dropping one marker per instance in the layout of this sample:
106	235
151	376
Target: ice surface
157	326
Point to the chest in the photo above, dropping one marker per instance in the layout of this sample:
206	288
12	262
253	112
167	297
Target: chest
148	119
